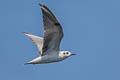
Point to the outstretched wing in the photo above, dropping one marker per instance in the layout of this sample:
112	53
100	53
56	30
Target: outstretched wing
37	40
53	32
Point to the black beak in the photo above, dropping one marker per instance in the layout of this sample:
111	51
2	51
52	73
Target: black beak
73	54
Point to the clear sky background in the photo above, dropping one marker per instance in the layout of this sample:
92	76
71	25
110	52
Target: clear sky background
92	31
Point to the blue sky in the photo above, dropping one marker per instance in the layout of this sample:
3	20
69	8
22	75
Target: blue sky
92	31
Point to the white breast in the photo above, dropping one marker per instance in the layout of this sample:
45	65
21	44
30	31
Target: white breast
53	57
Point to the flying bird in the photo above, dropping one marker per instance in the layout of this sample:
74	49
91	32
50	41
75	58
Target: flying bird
49	46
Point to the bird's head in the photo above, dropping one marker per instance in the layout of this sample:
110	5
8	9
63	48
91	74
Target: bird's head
66	53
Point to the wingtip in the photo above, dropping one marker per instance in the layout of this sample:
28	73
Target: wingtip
40	4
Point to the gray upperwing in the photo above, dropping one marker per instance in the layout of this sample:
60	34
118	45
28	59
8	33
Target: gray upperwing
37	40
53	32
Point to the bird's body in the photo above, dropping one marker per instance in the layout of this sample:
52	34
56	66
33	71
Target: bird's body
55	57
48	46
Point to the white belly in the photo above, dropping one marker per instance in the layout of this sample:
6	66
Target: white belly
46	59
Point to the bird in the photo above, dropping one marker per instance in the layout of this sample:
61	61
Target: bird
49	45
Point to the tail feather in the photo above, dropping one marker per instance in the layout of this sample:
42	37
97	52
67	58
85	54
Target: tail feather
29	63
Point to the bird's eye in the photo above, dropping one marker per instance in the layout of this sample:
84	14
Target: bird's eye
64	53
67	53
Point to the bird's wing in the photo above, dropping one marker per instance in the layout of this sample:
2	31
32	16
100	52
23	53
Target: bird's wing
53	32
37	40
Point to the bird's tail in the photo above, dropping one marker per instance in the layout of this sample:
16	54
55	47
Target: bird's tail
28	63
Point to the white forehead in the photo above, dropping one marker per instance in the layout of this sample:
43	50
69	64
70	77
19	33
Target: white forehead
65	54
65	51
